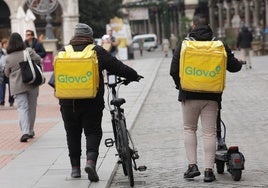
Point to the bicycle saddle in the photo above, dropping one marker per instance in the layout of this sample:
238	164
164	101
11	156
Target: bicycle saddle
118	101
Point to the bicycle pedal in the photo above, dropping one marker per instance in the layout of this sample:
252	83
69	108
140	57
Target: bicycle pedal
109	142
142	168
135	156
119	161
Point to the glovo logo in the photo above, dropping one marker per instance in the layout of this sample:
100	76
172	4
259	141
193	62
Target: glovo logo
193	71
75	79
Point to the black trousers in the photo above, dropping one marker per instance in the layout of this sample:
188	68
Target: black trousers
79	119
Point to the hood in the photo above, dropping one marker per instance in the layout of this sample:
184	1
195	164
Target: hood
202	33
244	29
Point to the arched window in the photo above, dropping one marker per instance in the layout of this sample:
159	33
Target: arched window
4	20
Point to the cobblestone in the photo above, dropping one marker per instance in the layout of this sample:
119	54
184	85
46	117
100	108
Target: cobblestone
158	132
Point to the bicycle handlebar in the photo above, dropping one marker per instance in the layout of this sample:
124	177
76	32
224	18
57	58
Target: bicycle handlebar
120	80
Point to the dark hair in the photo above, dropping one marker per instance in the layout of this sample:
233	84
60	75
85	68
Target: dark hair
200	19
30	31
15	43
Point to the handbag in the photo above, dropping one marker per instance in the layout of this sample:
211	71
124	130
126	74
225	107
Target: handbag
31	72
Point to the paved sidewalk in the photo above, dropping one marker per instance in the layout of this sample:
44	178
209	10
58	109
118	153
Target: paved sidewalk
43	161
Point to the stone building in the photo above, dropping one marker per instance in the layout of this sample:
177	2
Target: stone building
161	17
174	16
64	18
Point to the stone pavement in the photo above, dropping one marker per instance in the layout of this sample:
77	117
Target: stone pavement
43	161
158	132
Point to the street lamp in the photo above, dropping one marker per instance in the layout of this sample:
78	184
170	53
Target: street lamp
49	32
44	7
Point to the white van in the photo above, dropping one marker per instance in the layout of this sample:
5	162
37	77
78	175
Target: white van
149	41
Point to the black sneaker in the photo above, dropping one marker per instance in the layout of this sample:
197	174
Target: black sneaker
192	171
91	171
31	135
24	138
209	176
76	172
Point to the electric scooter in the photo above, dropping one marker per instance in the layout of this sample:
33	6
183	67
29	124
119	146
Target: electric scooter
231	156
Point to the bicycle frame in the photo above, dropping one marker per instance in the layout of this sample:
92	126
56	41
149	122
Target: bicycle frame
117	114
122	139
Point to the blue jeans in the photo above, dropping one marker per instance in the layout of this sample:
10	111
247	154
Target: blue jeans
3	92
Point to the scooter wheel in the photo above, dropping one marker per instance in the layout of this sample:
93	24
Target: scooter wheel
220	166
236	175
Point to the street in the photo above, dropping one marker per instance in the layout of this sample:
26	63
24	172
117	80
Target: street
158	132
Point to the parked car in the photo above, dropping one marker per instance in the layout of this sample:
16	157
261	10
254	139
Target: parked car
149	42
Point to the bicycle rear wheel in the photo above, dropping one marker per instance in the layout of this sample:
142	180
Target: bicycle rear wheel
126	152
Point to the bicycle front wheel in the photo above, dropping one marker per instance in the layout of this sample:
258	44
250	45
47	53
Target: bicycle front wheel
126	152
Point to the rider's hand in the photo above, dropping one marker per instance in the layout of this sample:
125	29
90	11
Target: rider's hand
126	82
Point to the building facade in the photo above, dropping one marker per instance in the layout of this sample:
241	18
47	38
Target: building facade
64	18
226	17
161	17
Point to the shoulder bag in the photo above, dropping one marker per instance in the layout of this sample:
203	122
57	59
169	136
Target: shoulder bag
31	72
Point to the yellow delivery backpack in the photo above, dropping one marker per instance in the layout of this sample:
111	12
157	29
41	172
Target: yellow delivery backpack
76	73
202	66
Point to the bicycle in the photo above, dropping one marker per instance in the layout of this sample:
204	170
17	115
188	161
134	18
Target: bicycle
122	139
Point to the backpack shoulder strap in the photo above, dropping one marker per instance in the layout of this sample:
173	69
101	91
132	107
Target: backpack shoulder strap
213	38
88	47
190	38
69	48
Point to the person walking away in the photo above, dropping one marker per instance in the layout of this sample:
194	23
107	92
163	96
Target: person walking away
24	94
33	42
3	54
2	74
106	43
244	43
196	104
140	42
165	47
173	42
86	114
114	43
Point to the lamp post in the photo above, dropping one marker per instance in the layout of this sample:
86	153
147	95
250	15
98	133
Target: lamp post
49	31
44	7
221	33
180	9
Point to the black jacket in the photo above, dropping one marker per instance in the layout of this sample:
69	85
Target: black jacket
202	33
37	46
244	38
111	64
